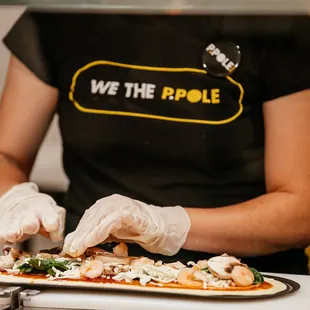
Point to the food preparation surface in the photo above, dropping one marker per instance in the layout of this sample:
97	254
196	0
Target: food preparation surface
82	299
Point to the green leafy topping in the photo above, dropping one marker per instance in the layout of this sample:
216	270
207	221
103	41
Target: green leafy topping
258	277
44	266
206	270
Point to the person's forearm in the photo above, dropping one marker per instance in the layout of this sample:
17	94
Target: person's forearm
264	225
10	173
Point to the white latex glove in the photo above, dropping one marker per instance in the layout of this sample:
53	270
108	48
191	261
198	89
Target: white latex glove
160	230
24	212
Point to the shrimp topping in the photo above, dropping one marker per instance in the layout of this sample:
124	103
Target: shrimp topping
107	257
142	261
11	257
242	276
92	269
186	277
97	251
176	265
15	253
221	266
121	250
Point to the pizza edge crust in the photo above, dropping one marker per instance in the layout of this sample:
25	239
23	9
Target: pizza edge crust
277	287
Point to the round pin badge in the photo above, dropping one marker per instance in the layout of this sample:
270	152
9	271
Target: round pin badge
221	59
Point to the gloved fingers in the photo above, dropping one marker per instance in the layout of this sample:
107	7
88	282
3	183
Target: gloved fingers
49	216
105	229
135	227
113	238
135	223
58	235
44	233
30	224
2	239
87	218
2	231
86	223
13	232
126	236
77	242
81	240
26	223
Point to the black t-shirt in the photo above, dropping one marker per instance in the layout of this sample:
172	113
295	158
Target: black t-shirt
141	117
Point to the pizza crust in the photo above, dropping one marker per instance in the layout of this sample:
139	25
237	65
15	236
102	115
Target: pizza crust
277	287
128	280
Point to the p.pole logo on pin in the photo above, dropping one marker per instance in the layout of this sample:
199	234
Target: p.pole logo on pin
222	58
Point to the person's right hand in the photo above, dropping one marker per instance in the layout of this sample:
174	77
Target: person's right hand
25	212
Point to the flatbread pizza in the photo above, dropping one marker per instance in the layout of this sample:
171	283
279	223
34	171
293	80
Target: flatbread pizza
98	268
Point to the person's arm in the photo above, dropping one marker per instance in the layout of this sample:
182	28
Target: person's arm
271	223
280	219
26	110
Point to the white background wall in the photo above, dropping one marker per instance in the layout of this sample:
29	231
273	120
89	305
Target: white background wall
47	172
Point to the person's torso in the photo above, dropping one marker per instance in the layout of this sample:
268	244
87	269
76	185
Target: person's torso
140	116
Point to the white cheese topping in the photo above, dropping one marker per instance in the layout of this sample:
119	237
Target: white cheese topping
146	273
72	273
164	274
156	274
6	262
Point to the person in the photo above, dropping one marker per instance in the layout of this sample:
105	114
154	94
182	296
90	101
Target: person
181	136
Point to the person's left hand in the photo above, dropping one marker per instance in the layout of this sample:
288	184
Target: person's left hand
160	230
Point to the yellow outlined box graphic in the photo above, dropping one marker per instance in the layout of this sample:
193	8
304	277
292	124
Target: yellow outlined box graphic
151	116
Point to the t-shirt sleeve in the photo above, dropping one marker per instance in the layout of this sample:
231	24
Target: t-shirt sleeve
30	41
286	68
